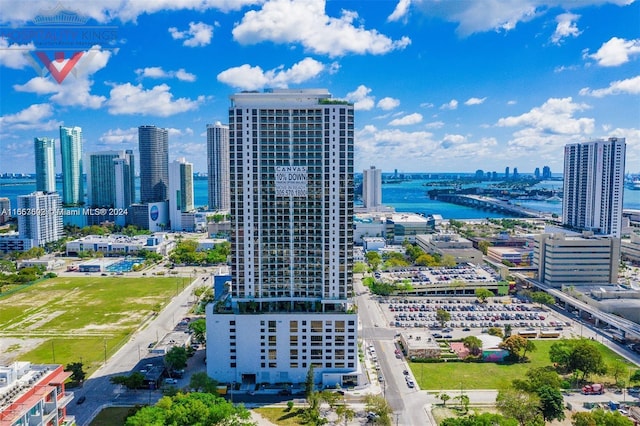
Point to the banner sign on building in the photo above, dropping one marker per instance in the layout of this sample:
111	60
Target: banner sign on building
291	181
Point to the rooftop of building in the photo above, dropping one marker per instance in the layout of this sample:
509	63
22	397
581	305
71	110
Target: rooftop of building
118	238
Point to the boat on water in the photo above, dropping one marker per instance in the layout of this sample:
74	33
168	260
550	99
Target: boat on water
634	184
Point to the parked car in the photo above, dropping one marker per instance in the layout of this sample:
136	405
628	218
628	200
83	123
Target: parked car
81	400
171	381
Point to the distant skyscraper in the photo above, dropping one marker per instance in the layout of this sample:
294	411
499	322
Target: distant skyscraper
516	175
536	173
594	185
5	209
372	187
218	166
180	191
546	172
153	144
44	149
506	172
292	242
45	225
71	151
125	169
110	179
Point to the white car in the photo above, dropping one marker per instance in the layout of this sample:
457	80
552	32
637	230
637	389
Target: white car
171	381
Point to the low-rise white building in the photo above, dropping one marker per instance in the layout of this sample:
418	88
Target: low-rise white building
281	347
630	248
450	244
576	260
120	245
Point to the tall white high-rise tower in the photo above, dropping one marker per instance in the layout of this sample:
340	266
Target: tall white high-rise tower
291	165
594	185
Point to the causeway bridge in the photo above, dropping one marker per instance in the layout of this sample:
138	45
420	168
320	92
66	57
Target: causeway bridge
491	204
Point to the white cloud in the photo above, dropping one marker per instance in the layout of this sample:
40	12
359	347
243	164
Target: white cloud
30	118
497	15
129	99
19	11
616	52
246	77
434	125
183	75
512	102
452	104
361	99
198	34
555	116
630	86
158	72
401	10
566	27
388	103
13	55
547	128
75	89
119	136
475	101
407	120
305	22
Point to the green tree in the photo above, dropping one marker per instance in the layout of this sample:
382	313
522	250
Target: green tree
464	402
560	353
521	406
359	268
635	377
483	294
133	381
619	370
537	378
175	358
586	357
330	397
473	344
583	418
309	383
444	397
378	405
483	246
484	419
508	329
600	417
442	317
373	259
495	331
191	409
77	372
514	345
448	260
542	298
199	329
344	412
551	403
201	382
528	347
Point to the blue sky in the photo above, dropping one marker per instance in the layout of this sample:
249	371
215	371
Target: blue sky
438	85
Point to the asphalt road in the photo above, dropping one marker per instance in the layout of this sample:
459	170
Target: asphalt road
410	406
99	392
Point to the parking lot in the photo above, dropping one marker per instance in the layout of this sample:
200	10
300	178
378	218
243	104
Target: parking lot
468	316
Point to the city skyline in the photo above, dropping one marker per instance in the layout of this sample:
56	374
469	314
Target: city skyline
450	89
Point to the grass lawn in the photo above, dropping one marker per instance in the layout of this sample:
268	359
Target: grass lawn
81	317
452	375
111	416
280	415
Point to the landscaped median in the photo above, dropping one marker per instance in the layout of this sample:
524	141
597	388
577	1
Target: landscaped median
78	319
